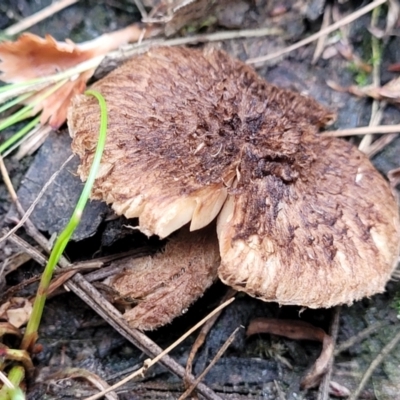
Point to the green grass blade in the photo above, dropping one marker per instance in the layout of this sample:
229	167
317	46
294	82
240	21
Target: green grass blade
14	138
30	335
15	101
21	114
15	376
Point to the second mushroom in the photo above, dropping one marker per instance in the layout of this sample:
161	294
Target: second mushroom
196	136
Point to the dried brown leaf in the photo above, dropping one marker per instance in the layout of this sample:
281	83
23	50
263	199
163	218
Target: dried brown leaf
298	330
79	373
389	92
31	57
21	356
394	67
7	329
178	13
16	311
54	108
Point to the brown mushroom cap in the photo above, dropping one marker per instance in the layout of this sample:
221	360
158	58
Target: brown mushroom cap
305	220
161	287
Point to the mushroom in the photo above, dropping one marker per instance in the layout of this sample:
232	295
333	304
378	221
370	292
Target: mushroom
193	135
155	290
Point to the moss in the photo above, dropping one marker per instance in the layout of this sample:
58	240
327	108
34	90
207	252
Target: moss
361	77
396	303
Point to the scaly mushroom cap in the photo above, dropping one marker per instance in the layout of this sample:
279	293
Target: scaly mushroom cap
161	287
305	220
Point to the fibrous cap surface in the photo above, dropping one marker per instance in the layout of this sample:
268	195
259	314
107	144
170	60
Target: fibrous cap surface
303	219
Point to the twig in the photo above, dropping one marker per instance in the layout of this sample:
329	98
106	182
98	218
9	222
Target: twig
149	363
219	354
96	301
376	110
381	356
27	248
128	51
331	28
7	180
94	379
36	201
323	392
279	391
380	143
319	48
37	17
204	332
357	338
137	48
363	130
141	9
6	381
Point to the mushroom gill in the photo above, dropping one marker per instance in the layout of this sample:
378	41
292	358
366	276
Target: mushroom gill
302	219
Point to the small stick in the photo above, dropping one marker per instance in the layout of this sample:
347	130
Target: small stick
96	301
279	390
40	195
7	180
363	130
204	332
358	338
148	363
29	249
37	17
6	381
380	143
137	48
319	48
219	354
329	29
377	106
323	392
381	356
141	9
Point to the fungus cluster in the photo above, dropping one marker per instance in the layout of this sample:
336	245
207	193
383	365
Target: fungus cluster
195	135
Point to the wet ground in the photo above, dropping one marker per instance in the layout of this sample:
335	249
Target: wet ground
72	335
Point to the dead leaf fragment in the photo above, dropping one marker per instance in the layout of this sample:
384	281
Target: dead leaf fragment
389	92
31	57
8	329
298	330
16	311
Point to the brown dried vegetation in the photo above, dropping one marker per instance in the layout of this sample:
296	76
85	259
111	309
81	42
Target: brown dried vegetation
193	134
31	57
